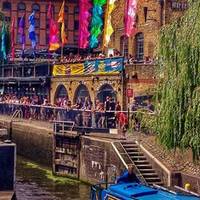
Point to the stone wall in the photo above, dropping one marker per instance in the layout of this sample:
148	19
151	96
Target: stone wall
96	159
33	142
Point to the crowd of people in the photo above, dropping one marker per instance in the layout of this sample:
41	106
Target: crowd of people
77	58
72	58
130	59
84	112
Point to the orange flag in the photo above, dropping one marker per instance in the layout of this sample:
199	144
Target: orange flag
61	19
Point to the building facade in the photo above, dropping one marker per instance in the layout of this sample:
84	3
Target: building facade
150	17
17	8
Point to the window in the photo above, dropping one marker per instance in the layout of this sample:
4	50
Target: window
47	38
66	9
124	46
76	25
139	41
7	19
76	10
76	39
37	23
37	38
21	6
6	5
35	7
20	39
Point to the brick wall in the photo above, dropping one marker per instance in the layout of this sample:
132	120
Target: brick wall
156	17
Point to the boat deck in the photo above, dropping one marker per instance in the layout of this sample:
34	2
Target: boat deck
8	195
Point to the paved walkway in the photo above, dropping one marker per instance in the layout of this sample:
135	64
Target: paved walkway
41	124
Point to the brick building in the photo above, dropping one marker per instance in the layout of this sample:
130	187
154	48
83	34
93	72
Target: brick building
151	16
17	8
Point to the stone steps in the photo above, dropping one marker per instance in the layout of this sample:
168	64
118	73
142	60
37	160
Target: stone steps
141	162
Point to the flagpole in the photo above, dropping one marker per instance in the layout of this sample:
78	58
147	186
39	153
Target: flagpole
105	25
62	47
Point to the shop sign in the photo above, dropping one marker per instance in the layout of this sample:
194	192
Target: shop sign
179	6
129	93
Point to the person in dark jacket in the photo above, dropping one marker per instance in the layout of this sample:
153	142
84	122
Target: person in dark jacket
128	176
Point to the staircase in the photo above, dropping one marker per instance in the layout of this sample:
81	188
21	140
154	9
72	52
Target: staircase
141	163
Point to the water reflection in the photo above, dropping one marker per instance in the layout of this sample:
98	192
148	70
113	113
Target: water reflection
35	182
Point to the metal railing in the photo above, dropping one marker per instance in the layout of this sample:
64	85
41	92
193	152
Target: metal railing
127	159
80	117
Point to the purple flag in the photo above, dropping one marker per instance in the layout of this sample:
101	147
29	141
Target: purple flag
22	32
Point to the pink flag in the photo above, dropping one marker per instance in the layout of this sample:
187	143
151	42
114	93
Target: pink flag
130	17
84	15
53	32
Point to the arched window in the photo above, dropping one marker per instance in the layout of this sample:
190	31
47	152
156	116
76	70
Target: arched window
81	94
139	46
104	91
6	5
66	9
21	6
61	92
124	45
36	7
76	10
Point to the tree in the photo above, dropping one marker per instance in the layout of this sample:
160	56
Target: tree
178	94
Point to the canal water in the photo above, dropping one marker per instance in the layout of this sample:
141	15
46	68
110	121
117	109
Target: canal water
35	182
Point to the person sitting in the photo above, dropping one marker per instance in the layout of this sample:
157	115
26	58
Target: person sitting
128	176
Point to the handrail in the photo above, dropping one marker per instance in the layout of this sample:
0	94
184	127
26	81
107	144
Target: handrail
119	155
187	191
82	110
138	174
16	114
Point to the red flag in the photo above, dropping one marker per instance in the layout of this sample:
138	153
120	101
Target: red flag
130	17
53	31
12	31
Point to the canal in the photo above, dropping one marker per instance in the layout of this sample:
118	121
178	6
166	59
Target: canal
37	182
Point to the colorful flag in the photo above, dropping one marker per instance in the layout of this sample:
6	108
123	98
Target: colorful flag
84	15
21	32
61	19
130	17
96	22
108	29
12	31
31	30
53	32
3	41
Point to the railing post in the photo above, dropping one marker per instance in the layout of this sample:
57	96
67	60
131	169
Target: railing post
10	131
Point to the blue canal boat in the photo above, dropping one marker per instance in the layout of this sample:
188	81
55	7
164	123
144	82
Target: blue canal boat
137	191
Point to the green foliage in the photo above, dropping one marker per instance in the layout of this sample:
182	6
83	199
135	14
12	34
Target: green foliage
178	94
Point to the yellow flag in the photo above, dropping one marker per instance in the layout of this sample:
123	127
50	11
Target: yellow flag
63	34
61	19
61	16
108	29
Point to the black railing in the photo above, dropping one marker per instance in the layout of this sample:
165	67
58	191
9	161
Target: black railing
81	118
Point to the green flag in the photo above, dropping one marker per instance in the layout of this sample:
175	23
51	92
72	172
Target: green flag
3	41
